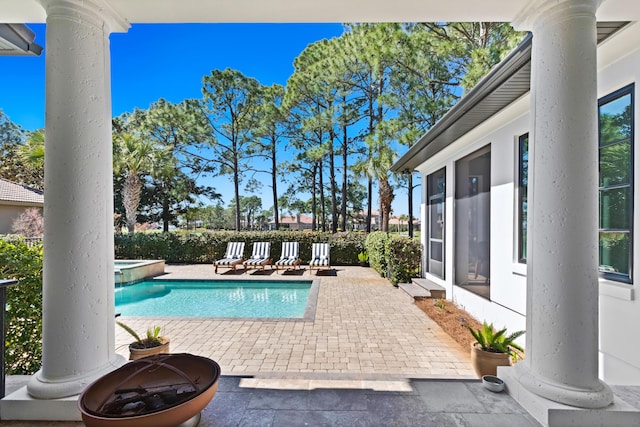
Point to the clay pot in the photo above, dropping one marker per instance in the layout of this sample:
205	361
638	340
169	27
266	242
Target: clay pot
139	353
194	377
487	362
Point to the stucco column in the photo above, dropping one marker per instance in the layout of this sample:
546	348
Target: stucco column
562	281
78	320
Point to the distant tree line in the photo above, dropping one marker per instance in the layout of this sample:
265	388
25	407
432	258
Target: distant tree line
352	104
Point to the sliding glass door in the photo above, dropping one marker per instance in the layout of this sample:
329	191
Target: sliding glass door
472	222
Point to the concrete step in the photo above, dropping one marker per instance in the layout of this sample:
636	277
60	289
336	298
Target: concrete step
414	290
434	289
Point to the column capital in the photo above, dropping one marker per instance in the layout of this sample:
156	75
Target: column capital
98	13
530	16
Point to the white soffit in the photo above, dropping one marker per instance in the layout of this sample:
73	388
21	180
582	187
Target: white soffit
156	11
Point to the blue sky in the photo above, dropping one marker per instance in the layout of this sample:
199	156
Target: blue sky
168	61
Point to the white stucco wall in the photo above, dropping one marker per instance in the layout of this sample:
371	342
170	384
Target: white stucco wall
619	66
508	281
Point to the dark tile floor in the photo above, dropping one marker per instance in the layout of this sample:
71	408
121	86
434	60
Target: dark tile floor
247	401
425	403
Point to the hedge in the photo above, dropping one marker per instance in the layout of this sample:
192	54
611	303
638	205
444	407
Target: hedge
23	339
205	247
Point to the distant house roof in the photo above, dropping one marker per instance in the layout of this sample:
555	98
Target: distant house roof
394	220
304	219
16	194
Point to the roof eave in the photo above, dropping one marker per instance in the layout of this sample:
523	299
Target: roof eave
507	82
498	75
18	41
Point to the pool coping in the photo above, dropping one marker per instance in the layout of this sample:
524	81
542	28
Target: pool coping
308	316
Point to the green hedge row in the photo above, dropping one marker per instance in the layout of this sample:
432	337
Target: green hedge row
395	257
23	339
206	247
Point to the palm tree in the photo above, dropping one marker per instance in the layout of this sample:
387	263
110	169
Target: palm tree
133	157
376	166
31	155
401	219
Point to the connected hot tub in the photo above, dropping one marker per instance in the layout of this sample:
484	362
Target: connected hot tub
131	271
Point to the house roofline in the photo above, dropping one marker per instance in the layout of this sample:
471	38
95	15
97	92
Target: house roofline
17	40
501	86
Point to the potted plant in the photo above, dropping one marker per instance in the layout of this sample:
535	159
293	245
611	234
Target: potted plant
153	343
493	349
363	258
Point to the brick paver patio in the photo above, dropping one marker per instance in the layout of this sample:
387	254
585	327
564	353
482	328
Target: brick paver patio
363	328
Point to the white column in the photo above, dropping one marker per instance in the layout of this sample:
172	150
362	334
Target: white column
78	320
561	363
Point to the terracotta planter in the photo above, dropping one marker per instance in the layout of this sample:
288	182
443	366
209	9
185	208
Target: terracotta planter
486	362
128	396
139	353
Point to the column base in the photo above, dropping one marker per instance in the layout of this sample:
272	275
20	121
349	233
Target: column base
550	413
42	388
19	405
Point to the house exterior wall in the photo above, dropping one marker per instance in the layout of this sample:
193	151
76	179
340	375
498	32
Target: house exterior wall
619	66
619	306
8	214
508	278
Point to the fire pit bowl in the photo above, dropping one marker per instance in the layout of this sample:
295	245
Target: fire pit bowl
164	390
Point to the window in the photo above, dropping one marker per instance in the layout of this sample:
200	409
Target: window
523	181
615	146
473	222
435	222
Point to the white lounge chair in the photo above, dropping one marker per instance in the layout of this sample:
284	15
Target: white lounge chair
260	257
319	256
289	258
232	257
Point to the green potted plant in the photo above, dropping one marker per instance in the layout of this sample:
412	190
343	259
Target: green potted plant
153	343
493	348
363	258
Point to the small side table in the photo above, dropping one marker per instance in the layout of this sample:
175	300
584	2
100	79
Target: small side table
3	307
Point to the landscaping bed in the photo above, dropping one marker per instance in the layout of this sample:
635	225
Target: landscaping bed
452	319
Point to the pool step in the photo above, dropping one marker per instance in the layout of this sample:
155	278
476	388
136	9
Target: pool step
423	288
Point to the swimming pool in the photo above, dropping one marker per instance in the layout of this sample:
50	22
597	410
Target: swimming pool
271	299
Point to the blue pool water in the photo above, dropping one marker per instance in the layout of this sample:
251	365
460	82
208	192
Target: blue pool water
214	298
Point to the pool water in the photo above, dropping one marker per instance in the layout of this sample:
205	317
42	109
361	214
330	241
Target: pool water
214	298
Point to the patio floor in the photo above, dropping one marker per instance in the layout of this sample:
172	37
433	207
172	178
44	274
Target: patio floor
370	358
363	328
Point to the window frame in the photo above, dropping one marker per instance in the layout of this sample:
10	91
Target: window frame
521	254
433	196
626	278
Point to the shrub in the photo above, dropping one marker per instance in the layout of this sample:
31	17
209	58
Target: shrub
375	245
23	338
397	258
403	259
